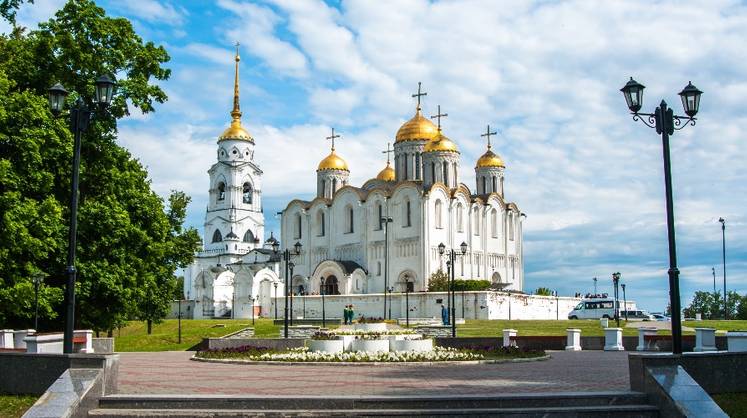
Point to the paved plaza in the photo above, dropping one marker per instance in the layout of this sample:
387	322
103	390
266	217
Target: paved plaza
174	373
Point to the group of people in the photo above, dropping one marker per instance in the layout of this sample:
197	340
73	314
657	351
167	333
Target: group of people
348	314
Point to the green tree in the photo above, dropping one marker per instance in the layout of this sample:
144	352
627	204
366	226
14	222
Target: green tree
129	243
8	9
543	291
742	308
439	281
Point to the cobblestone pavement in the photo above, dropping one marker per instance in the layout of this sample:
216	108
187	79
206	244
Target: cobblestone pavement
174	373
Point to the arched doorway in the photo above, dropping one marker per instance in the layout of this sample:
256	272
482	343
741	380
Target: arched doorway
330	286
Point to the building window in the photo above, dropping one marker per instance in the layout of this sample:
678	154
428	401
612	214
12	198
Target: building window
380	212
320	221
495	189
248	237
433	172
334	186
217	237
297	227
446	173
417	166
378	268
455	178
247	193
511	226
438	210
351	219
460	218
407	175
407	218
494	223
476	221
484	190
221	191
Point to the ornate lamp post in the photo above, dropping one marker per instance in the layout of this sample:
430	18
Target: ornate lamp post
389	290
291	266
407	301
386	221
275	285
287	258
666	122
452	263
80	117
38	279
723	255
251	301
616	283
323	290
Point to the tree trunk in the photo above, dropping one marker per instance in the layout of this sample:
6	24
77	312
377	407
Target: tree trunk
110	333
150	326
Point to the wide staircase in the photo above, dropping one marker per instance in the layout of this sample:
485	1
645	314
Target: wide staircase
555	405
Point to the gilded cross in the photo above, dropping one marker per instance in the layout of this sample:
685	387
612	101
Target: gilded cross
438	116
332	137
488	135
388	151
419	95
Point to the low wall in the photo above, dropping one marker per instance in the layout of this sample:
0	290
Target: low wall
103	345
716	372
275	343
16	369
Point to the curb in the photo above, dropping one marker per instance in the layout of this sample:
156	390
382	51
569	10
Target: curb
372	363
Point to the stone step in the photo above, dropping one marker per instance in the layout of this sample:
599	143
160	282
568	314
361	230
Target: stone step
269	402
614	411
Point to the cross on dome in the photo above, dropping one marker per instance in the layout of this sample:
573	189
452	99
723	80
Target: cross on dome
388	151
438	117
419	95
488	134
332	137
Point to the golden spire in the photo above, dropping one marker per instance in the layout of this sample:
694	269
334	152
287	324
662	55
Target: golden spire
236	131
236	112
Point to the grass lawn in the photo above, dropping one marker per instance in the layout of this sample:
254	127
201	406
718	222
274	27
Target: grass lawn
719	325
734	404
13	406
494	328
134	337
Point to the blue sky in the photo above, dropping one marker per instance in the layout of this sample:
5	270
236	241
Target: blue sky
546	74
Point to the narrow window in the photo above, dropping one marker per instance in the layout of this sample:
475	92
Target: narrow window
334	187
380	211
407	175
484	190
321	223
494	223
495	189
217	237
221	191
433	172
446	173
417	166
351	220
247	193
476	221
378	268
511	226
408	214
460	218
298	227
438	214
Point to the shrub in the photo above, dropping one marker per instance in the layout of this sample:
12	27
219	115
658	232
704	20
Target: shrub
442	285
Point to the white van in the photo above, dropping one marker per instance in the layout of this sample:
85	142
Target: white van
594	309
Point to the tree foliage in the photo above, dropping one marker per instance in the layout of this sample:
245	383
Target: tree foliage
439	282
543	291
129	242
711	305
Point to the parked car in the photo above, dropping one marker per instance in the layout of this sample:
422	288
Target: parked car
594	309
660	316
637	315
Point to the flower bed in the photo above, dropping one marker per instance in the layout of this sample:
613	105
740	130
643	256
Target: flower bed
500	352
365	332
302	354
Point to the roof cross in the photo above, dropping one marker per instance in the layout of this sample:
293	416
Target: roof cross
332	137
488	134
419	95
387	152
438	116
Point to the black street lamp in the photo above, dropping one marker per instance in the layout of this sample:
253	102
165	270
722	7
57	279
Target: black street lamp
286	257
324	312
723	255
452	263
386	221
275	285
251	300
80	117
407	301
616	282
625	302
179	322
291	266
38	278
389	290
666	122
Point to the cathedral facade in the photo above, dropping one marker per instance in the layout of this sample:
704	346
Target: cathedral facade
385	234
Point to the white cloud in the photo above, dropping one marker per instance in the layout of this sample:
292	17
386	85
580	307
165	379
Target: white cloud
154	11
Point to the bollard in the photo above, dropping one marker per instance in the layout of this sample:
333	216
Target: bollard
6	338
737	341
574	339
705	339
507	334
604	322
613	339
19	335
642	333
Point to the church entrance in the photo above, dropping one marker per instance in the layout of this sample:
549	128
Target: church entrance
330	286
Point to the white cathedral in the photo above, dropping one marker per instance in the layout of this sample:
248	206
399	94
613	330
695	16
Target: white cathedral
355	241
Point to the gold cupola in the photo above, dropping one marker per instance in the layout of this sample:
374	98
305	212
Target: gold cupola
387	174
490	159
417	129
440	142
236	131
333	161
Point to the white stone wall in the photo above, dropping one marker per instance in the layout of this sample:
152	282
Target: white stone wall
477	305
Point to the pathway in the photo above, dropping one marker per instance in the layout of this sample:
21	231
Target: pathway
173	373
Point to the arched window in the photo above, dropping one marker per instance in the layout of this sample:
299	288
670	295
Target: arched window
247	193
511	226
460	218
476	221
407	214
439	223
495	189
378	268
484	190
351	219
494	223
320	222
407	174
217	237
323	190
417	166
446	173
297	228
221	191
433	172
380	212
248	236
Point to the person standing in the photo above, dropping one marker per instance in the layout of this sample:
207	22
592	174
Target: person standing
351	314
345	315
444	315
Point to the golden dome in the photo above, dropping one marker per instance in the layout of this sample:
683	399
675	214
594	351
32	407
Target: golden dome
333	162
417	128
490	159
387	174
441	143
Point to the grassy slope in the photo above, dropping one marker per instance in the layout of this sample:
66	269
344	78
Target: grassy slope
734	404
12	406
